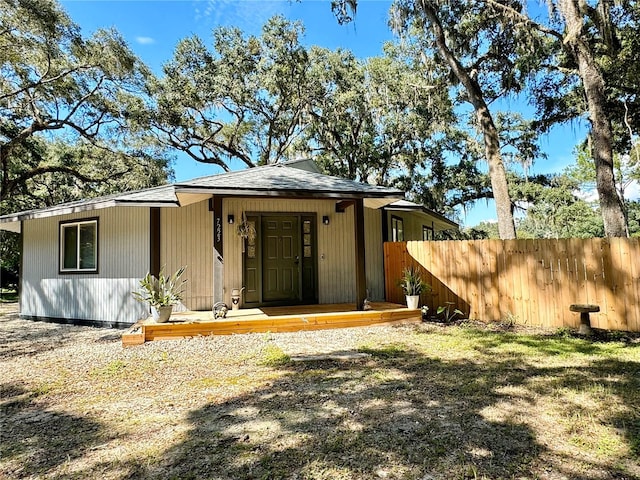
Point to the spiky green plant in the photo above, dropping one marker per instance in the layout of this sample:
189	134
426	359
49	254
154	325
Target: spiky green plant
411	282
162	291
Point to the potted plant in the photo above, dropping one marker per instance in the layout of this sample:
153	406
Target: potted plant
412	285
161	293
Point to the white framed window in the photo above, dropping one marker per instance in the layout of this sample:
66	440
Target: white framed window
397	229
79	246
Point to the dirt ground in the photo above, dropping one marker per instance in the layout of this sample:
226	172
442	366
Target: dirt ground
411	402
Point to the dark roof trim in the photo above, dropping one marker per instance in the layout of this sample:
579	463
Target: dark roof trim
270	192
421	209
84	207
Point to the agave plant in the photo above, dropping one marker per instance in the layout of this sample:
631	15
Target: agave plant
411	282
162	291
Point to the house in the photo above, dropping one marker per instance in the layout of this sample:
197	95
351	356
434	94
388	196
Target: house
285	234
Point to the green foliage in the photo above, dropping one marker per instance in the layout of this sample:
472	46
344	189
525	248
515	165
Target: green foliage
10	251
552	209
274	356
392	350
611	33
626	169
483	230
56	84
448	313
633	218
242	99
162	291
374	119
412	283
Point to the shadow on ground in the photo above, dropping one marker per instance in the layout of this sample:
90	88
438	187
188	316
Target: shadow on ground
33	337
34	440
399	414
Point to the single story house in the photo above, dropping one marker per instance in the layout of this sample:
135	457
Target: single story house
285	233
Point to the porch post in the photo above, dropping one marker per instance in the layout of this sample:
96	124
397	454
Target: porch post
154	241
218	260
361	274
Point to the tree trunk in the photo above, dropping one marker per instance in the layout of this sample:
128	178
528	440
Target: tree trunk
615	224
497	172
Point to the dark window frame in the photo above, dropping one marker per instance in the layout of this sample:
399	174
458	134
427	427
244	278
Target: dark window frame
426	229
394	228
78	221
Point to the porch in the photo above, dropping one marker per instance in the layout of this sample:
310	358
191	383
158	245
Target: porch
271	319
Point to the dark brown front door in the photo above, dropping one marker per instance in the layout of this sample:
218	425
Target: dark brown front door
279	264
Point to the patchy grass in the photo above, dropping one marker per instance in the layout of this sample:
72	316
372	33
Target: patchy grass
274	356
8	296
429	402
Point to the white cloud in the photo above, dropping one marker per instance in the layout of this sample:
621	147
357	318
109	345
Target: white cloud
145	40
248	15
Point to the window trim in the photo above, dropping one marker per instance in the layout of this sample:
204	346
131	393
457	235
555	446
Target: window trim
425	229
80	221
394	229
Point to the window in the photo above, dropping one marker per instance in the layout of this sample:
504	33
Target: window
397	229
79	246
427	233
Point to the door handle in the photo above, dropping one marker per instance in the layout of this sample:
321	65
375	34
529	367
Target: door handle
297	260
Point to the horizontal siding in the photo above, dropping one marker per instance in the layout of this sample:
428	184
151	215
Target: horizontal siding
336	245
186	239
123	258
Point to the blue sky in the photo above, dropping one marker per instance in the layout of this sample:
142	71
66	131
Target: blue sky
153	28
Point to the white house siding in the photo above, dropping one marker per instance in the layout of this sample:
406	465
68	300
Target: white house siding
186	239
336	245
375	254
123	258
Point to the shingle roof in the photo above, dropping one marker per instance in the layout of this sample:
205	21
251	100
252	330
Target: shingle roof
283	179
278	179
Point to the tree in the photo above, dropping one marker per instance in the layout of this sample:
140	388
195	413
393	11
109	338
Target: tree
553	209
478	50
65	106
591	41
243	100
633	215
374	118
576	41
55	82
626	169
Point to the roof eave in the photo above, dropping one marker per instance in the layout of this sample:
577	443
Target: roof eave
67	210
425	210
264	192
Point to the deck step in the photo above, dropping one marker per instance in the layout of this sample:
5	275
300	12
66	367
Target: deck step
388	313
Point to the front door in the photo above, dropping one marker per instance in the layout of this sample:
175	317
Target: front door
280	259
279	263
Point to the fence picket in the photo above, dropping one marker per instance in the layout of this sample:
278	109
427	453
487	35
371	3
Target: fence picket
532	281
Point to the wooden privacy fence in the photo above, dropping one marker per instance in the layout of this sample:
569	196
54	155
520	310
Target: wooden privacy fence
528	281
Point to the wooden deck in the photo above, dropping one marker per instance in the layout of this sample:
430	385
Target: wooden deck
272	319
